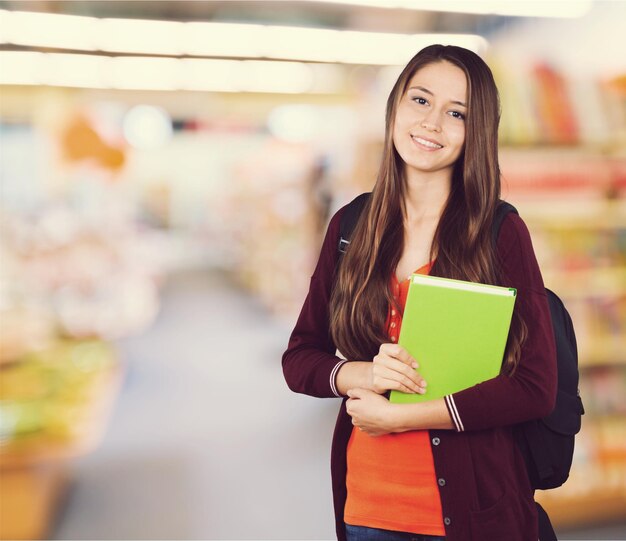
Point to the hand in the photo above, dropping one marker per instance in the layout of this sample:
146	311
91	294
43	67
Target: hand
370	412
394	369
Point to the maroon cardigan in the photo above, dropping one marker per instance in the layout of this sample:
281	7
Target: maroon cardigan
486	493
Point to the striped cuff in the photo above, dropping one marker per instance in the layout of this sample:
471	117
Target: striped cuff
454	413
333	378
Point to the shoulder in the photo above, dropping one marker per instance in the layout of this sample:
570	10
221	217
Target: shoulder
513	235
517	256
329	252
334	225
348	212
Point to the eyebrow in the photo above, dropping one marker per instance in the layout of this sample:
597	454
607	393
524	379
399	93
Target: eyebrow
426	91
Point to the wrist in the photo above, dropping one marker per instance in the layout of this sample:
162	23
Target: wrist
429	415
354	374
397	418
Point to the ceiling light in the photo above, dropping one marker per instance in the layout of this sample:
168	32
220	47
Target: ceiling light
149	73
212	75
224	39
287	77
221	39
511	8
140	36
75	70
21	68
35	29
141	73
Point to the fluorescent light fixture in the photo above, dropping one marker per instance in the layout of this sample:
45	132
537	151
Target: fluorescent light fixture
327	78
212	75
21	68
149	73
511	8
140	36
224	39
35	29
141	73
287	77
75	70
5	18
250	41
315	44
248	76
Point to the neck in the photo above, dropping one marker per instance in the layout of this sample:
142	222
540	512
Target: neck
426	195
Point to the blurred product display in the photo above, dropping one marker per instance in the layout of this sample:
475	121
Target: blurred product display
571	191
69	287
583	257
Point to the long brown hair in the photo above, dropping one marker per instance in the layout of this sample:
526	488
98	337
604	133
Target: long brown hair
462	242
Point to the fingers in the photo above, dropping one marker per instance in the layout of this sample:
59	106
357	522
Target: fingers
389	373
405	386
358	393
396	351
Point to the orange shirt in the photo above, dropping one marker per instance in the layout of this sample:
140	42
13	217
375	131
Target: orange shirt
391	479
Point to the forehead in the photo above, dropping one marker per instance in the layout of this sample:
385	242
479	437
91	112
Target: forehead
442	79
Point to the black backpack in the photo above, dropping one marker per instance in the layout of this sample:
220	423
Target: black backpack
547	444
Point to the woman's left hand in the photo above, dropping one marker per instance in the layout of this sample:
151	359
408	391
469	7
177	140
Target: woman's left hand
370	412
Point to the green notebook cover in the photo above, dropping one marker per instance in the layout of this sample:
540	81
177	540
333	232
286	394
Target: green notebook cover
456	331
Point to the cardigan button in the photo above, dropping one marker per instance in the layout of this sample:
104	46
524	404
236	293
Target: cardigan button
442	482
447	521
436	441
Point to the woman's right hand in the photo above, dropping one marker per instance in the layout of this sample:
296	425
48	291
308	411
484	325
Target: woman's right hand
393	369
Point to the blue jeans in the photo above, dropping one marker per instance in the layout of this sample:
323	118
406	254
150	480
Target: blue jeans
363	533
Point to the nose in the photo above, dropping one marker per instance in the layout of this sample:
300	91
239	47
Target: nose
431	122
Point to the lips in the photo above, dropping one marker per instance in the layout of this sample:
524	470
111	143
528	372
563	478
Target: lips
426	143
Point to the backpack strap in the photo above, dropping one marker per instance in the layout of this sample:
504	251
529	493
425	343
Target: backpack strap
502	210
354	209
349	218
546	531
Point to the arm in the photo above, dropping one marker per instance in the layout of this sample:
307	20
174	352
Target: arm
354	374
504	400
530	392
310	365
376	416
392	368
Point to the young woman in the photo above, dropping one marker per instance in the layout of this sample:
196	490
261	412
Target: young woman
448	467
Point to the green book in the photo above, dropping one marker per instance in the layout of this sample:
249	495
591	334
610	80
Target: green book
456	331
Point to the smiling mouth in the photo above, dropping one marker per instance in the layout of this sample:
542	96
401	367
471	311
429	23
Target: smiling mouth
426	143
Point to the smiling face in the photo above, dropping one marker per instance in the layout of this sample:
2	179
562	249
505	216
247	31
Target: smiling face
429	124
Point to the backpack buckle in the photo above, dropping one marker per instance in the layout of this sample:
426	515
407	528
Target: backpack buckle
343	244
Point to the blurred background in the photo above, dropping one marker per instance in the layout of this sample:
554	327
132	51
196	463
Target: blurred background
167	173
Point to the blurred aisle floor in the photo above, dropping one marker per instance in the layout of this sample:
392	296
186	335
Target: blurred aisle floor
206	441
